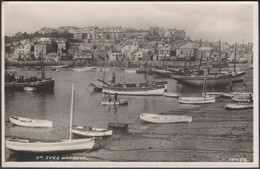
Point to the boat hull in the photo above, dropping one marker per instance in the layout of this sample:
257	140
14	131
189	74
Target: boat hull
238	106
43	85
158	91
153	118
198	81
196	100
173	95
91	132
163	73
51	147
238	77
119	126
112	103
26	122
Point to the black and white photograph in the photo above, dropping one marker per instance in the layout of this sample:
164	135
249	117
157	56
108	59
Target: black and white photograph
129	84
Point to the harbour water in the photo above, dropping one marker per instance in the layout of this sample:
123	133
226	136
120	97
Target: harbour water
215	134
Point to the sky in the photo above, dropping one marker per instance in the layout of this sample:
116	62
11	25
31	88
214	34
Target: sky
231	22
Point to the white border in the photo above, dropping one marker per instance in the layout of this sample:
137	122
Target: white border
150	164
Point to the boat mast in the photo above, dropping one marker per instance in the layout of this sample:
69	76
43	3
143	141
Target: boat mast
145	69
235	58
71	110
219	60
41	65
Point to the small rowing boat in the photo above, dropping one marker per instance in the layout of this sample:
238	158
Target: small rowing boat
171	94
29	89
28	122
111	103
90	131
197	100
239	106
27	146
232	94
121	126
241	99
156	118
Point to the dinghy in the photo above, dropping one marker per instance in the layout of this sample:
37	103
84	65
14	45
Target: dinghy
212	94
232	94
238	106
90	131
119	126
29	89
130	70
171	94
156	118
196	100
49	147
119	102
27	122
241	99
27	146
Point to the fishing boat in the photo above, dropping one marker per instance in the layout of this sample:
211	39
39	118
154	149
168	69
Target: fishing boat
162	72
147	88
156	118
112	103
239	106
90	131
237	94
13	83
171	94
28	122
214	81
119	126
28	146
29	89
142	90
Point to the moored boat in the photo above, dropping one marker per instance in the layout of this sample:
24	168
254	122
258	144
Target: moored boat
119	126
28	122
238	76
196	100
171	94
29	88
237	94
241	99
90	131
136	91
213	94
112	103
197	81
26	146
163	73
156	118
239	106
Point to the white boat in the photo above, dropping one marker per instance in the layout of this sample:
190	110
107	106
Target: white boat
196	100
111	103
54	146
91	131
29	89
136	91
130	70
213	94
171	94
28	122
235	94
241	99
156	118
239	106
50	147
84	69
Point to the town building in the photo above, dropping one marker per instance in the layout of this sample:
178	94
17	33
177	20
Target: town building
188	51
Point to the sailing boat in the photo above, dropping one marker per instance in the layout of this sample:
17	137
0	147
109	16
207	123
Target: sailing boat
28	146
237	76
199	100
40	84
147	88
215	80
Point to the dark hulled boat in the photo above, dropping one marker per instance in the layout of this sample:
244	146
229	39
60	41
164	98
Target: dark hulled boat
12	83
